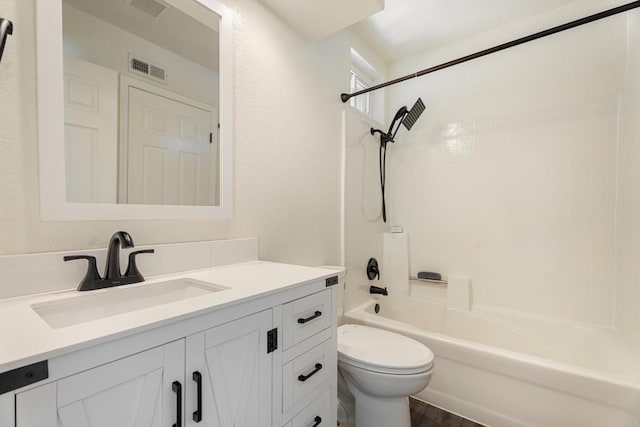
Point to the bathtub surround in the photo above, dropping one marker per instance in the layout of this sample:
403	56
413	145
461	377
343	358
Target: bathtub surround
362	200
394	269
628	212
516	163
569	373
459	292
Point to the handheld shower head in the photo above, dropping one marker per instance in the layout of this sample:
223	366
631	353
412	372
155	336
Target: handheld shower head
395	123
408	118
393	129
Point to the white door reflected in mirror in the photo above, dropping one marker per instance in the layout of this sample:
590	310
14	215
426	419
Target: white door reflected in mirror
172	158
90	131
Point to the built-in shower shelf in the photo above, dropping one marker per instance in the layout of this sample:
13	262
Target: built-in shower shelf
439	282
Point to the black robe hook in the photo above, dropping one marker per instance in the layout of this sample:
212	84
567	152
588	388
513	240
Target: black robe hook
6	28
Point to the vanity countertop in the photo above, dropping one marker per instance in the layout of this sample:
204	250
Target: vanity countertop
26	338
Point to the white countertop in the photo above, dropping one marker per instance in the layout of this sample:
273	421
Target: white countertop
26	338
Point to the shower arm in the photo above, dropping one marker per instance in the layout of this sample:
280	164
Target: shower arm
591	18
391	134
6	28
384	137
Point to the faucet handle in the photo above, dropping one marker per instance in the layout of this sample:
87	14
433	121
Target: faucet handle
132	269
91	276
373	271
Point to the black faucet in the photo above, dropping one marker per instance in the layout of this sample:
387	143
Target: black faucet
120	239
112	274
377	290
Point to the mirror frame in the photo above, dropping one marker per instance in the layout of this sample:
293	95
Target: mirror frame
49	73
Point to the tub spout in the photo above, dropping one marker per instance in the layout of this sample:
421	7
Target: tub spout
377	290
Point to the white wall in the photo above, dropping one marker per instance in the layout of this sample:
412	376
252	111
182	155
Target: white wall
510	174
287	152
628	213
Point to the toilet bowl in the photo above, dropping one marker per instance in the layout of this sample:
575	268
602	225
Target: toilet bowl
381	370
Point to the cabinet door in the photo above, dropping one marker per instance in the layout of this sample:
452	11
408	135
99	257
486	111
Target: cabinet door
132	392
7	409
236	370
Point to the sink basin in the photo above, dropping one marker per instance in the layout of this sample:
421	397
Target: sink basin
100	304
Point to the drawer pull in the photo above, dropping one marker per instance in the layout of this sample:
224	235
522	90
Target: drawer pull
309	319
177	389
303	378
317	421
197	415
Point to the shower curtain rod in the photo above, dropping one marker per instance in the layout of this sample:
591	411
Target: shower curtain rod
601	15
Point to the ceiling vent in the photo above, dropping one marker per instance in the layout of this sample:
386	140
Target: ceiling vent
150	7
140	66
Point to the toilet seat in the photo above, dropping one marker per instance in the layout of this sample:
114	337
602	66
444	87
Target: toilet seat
382	351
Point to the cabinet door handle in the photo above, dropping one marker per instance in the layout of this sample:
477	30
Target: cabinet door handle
303	378
309	319
197	415
177	389
317	421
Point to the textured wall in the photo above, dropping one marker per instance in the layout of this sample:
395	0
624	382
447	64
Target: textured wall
628	213
287	133
287	152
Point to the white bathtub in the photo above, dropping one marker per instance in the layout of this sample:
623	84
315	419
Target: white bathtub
506	369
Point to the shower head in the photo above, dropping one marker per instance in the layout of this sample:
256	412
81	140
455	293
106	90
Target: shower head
395	123
403	116
408	118
414	114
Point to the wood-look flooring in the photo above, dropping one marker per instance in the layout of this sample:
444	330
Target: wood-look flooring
425	415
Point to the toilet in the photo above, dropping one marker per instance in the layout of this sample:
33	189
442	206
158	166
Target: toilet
380	369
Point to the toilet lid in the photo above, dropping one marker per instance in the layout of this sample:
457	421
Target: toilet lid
382	351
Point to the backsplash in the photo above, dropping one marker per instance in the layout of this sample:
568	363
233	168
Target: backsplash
47	272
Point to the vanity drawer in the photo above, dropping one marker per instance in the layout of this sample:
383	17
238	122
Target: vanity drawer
305	317
302	375
315	415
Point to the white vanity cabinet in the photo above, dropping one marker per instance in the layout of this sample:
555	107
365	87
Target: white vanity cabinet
235	368
309	360
274	364
224	372
134	391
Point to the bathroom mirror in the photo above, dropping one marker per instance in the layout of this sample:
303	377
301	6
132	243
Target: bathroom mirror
134	103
